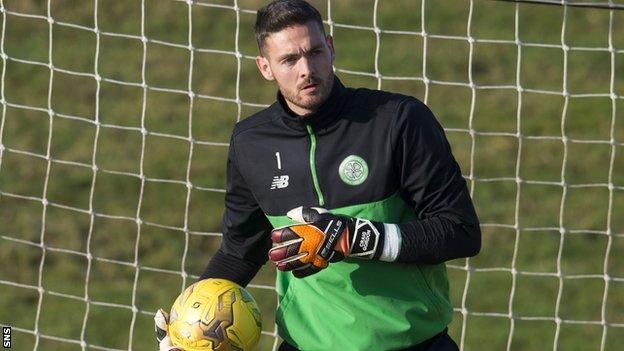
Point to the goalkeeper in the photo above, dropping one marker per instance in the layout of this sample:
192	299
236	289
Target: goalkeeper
353	193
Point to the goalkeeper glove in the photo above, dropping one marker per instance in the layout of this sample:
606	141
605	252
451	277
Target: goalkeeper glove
161	322
323	237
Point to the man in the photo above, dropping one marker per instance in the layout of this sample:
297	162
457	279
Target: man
369	273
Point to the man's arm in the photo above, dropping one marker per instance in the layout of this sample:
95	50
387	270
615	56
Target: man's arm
246	231
228	267
431	183
246	242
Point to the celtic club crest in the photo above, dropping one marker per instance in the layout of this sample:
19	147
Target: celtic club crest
353	170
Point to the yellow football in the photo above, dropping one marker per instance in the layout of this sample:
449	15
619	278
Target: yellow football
215	314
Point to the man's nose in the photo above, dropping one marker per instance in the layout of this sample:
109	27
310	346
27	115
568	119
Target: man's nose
306	68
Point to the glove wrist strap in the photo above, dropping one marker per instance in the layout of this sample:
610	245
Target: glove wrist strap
366	239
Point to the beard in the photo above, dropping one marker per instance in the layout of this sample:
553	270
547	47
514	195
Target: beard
311	101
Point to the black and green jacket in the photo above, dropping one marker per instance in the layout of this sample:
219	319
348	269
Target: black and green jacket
368	154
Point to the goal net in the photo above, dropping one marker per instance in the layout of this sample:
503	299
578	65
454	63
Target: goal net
114	129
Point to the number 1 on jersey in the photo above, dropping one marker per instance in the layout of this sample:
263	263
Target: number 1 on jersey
279	160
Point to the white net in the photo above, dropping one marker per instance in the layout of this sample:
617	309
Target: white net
115	126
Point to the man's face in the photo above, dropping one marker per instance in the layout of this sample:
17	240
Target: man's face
299	59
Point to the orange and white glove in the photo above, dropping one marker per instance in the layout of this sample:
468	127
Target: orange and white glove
323	237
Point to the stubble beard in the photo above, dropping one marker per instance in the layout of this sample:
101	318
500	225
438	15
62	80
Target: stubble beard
310	102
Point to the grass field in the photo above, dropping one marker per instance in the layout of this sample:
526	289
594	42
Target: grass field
95	202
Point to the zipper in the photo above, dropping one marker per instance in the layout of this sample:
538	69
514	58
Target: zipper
317	187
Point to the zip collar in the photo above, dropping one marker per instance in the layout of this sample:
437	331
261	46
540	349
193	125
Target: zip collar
325	115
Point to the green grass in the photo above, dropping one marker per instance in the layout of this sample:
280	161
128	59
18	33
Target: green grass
539	205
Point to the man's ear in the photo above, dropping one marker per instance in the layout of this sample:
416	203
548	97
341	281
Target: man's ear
264	67
330	42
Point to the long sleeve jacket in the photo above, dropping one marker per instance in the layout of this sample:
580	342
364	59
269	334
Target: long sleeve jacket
368	154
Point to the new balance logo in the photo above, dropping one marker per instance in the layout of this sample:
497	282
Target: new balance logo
280	182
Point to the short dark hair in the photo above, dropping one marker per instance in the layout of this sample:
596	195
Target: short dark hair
280	14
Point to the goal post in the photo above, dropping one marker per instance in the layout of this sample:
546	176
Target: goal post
114	131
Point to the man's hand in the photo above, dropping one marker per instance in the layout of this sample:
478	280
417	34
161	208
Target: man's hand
161	322
323	237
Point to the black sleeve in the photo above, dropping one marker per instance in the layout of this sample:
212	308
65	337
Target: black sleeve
246	231
231	268
447	226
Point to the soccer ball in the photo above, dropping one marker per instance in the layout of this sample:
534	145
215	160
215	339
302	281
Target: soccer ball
215	314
